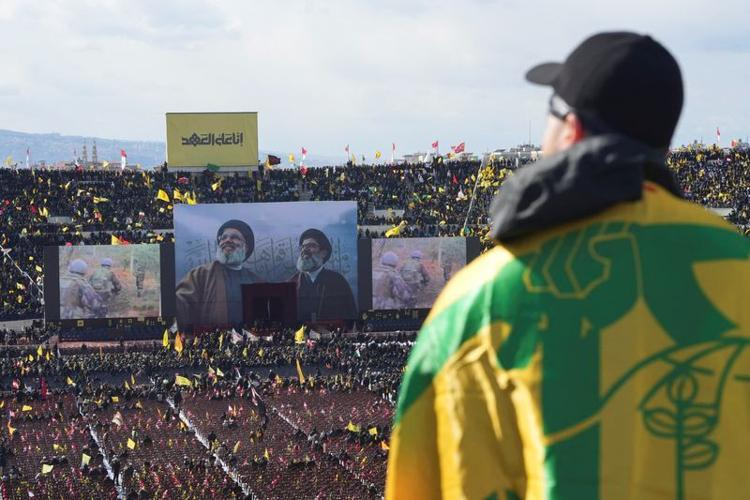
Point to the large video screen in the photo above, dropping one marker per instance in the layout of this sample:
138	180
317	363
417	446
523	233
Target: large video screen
409	273
109	281
220	247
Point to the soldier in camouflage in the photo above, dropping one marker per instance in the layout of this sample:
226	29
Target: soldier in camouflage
78	299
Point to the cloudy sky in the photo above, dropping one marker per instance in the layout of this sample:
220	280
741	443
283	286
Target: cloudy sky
326	73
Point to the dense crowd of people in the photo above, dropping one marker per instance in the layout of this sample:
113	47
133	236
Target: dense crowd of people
54	208
228	415
218	417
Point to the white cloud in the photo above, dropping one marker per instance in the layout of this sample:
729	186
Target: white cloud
328	73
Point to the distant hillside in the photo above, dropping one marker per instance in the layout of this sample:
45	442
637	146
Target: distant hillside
54	147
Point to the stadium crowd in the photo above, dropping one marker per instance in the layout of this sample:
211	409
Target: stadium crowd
214	415
258	414
55	207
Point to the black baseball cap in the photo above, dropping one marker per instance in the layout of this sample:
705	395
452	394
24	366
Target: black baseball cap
625	81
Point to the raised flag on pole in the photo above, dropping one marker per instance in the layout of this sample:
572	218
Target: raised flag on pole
123	159
162	195
300	373
460	148
165	339
435	145
178	343
718	136
299	335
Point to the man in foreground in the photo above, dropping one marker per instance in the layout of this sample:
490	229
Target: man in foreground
601	349
211	294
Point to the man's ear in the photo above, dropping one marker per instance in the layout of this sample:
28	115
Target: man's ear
573	131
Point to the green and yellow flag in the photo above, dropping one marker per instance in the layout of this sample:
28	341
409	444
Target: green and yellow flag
606	358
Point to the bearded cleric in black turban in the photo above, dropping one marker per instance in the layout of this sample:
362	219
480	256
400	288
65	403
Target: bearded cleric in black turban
211	294
321	293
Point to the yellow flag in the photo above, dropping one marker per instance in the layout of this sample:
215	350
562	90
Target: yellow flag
44	212
20	286
236	447
47	468
266	455
85	459
378	154
26	408
300	374
70	381
105	164
219	373
395	230
299	335
115	399
165	339
114	240
56	447
2	404
384	446
132	380
127	386
100	200
216	185
38	268
178	343
131	444
183	381
139	405
176	195
163	196
11	430
39	351
261	352
373	431
190	199
352	427
291	158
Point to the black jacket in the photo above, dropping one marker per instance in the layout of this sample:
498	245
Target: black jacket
588	178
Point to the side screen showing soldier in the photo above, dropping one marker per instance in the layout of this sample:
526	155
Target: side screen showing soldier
409	273
110	281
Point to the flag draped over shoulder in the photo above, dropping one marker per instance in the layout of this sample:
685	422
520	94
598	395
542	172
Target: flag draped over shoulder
585	361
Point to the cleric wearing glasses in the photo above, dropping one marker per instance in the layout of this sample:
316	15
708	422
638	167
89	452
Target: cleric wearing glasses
321	293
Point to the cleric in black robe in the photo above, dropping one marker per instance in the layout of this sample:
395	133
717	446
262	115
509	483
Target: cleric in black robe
321	293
